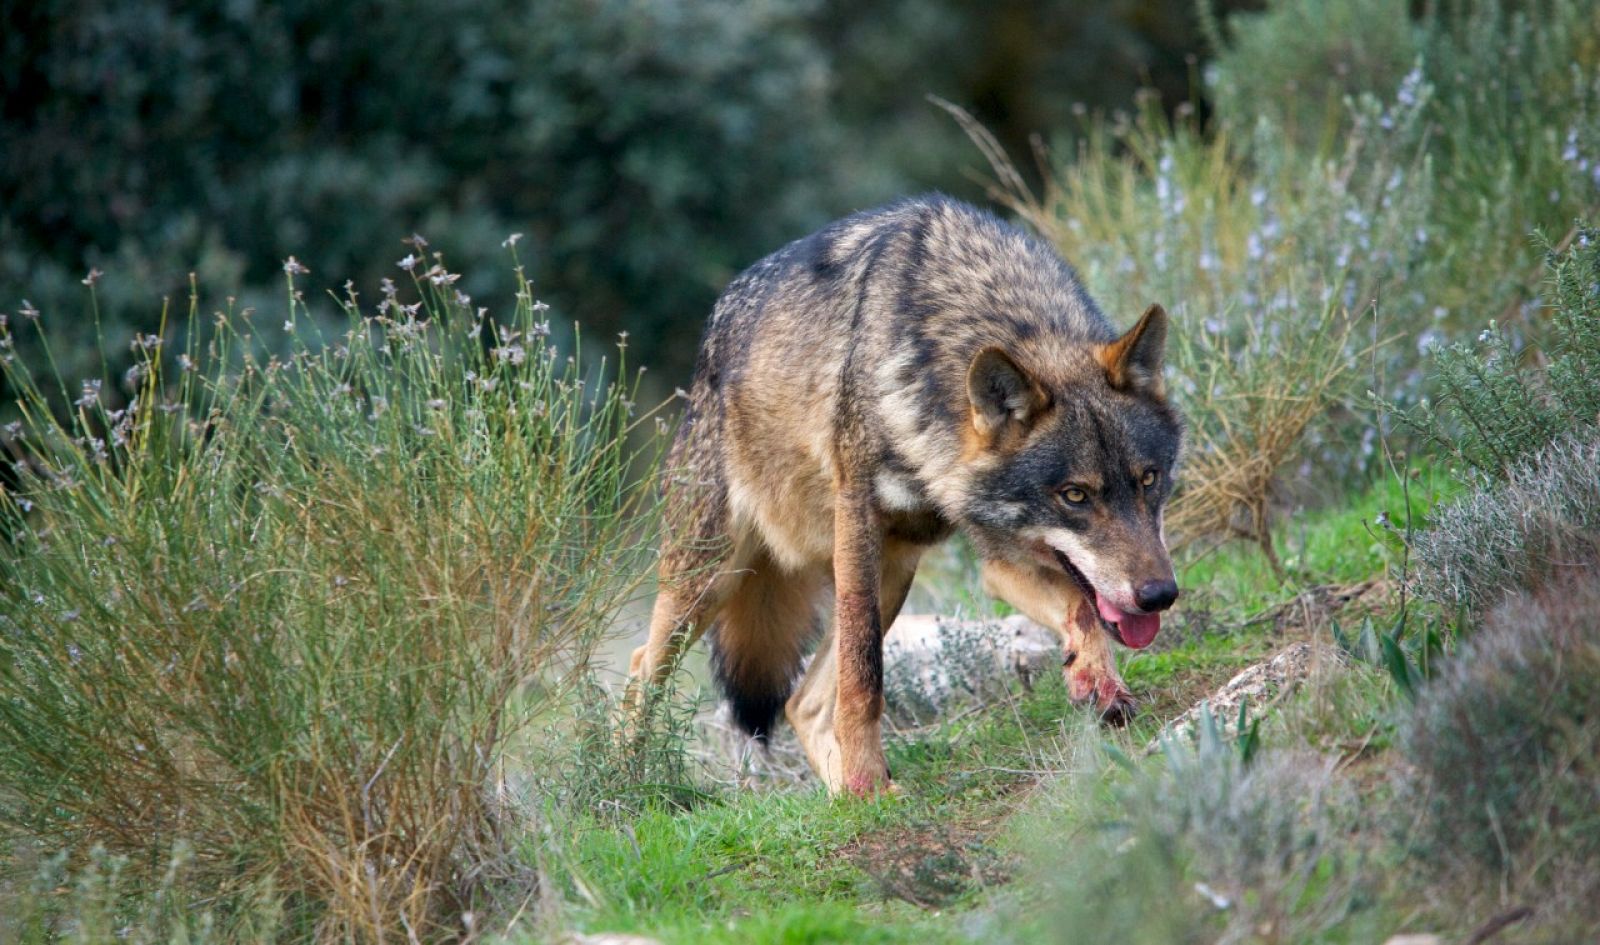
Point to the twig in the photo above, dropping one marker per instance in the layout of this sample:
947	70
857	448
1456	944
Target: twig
723	871
1495	925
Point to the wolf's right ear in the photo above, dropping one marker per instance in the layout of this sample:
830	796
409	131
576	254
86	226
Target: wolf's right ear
1001	392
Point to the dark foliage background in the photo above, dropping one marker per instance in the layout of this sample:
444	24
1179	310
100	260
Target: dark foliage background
649	150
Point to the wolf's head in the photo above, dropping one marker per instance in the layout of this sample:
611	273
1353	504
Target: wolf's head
1070	466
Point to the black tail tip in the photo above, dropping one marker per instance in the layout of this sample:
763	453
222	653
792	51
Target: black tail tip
756	713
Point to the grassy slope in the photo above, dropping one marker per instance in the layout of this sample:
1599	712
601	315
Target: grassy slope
794	867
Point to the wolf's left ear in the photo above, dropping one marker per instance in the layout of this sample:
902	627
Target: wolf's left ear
1133	362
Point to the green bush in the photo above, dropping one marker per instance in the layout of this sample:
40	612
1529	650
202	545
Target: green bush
275	606
1509	95
1514	133
638	145
1505	745
1493	410
99	897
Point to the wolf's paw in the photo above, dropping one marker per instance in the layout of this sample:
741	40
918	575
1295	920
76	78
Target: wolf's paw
869	783
866	776
1102	688
1118	709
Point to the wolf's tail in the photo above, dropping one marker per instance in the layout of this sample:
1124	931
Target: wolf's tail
755	701
759	641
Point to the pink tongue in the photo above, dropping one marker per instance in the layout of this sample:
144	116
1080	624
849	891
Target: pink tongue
1136	630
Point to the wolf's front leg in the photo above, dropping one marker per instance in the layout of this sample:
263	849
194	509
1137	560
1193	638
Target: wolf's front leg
1091	666
1051	599
858	642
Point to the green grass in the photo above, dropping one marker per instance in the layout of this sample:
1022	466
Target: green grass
798	866
1337	543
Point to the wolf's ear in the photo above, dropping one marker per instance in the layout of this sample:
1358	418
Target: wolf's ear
1001	392
1133	362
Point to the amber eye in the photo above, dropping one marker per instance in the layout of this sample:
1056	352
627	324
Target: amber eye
1149	478
1074	495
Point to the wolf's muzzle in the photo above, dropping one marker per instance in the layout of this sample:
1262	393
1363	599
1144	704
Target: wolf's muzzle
1152	596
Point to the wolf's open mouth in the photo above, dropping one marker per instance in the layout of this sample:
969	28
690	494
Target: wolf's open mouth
1134	631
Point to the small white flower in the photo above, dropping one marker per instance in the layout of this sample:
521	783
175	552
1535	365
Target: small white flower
90	395
511	240
408	263
293	267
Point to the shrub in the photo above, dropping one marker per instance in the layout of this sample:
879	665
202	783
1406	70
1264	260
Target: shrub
1508	124
1505	745
1513	128
1209	849
637	144
600	761
275	604
1539	526
107	901
1492	408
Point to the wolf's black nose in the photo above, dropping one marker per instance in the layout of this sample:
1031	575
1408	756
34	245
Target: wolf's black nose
1155	595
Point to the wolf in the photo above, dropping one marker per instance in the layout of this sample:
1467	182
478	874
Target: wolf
862	394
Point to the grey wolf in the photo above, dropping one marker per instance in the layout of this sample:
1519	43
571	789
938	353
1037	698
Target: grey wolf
901	375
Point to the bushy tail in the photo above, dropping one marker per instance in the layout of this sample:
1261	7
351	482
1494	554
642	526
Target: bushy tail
755	699
759	641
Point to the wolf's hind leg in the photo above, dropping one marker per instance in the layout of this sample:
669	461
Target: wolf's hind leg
700	554
811	709
681	614
1051	599
696	581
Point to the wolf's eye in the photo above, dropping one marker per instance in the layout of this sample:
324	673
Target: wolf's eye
1074	495
1149	478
